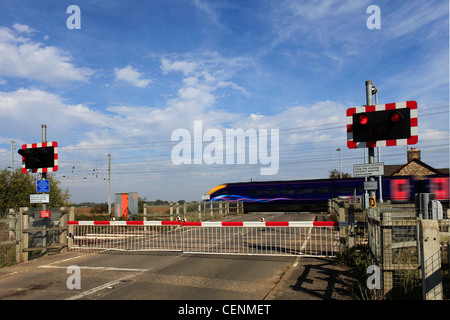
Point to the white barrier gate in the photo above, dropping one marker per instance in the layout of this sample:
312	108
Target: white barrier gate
309	238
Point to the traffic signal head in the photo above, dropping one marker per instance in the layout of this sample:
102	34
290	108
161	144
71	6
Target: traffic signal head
395	116
382	125
42	158
363	119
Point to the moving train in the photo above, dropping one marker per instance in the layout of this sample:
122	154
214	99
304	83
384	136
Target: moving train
313	195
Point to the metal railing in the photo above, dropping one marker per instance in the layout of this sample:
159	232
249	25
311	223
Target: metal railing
125	235
245	238
394	243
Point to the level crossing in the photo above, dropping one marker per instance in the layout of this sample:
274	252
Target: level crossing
258	235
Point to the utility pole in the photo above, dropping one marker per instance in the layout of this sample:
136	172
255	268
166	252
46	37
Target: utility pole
109	184
13	149
340	162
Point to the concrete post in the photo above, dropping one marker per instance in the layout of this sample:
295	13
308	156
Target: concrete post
70	228
23	216
211	207
144	213
63	224
351	225
430	260
18	236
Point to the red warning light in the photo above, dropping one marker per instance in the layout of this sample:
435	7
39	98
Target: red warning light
395	117
363	119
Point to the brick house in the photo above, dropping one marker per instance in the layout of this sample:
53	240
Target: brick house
413	167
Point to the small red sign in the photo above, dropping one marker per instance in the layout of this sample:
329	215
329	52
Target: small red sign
45	214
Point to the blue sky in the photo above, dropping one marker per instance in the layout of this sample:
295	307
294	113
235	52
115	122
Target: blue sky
138	70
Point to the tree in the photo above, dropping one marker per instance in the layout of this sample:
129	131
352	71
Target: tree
335	174
16	187
141	203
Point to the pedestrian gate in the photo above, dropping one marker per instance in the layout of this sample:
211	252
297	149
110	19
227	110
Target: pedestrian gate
309	238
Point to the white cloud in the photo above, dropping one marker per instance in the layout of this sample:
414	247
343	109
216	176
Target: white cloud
132	76
327	8
20	57
412	17
78	125
183	66
207	9
24	110
204	75
303	123
291	18
22	28
224	84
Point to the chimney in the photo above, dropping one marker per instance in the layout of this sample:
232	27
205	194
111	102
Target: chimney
413	154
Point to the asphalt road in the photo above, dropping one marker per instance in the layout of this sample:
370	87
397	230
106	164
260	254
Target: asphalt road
155	276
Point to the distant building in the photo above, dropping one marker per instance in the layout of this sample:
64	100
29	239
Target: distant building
413	167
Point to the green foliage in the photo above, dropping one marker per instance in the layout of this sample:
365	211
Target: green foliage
335	174
407	285
357	259
7	255
16	187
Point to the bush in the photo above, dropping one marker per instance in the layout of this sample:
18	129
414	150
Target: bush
358	259
16	187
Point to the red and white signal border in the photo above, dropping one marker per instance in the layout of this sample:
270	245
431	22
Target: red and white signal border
41	145
412	105
214	223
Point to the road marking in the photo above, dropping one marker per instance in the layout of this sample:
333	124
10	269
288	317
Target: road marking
8	274
104	286
306	240
297	260
99	268
59	261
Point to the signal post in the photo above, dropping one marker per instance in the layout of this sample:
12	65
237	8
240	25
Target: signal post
383	125
369	94
41	158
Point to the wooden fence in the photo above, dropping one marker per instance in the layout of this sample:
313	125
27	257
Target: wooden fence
30	234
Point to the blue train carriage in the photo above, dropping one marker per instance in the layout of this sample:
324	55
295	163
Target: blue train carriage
297	195
312	195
